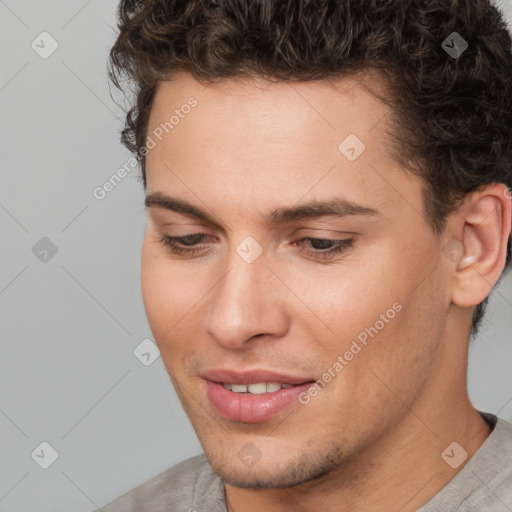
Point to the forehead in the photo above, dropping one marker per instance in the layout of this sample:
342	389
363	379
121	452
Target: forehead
250	139
338	103
255	120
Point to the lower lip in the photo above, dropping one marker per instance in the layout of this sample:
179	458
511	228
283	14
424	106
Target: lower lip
250	408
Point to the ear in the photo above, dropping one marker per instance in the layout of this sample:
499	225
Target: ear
484	227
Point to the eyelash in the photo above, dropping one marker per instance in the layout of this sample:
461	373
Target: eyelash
340	247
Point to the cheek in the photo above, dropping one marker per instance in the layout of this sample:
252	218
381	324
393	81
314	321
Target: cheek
153	289
170	297
159	292
378	306
399	358
347	299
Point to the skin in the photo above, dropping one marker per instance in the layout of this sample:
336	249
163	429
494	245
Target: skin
372	438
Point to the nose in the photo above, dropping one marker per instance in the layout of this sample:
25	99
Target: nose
248	301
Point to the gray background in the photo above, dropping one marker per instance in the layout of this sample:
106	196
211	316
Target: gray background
70	321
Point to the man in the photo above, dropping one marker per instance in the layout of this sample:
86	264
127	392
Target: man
328	211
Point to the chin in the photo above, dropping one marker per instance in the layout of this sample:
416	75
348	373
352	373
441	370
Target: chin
278	473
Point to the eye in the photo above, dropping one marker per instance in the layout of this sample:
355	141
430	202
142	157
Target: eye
187	240
340	246
320	246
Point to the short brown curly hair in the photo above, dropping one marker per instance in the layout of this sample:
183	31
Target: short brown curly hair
452	115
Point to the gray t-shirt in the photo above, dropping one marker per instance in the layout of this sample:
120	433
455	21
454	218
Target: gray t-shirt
483	484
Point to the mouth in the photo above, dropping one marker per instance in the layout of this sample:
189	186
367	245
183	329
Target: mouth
259	388
252	396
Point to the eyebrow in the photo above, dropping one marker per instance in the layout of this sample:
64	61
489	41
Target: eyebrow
337	206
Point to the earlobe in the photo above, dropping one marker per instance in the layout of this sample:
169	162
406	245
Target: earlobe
485	232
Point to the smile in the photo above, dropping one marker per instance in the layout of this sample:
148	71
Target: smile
256	389
253	403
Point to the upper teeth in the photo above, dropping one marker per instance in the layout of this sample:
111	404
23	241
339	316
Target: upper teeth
256	389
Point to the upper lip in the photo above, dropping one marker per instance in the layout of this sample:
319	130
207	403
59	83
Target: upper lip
251	376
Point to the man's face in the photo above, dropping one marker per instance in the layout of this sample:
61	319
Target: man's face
263	296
